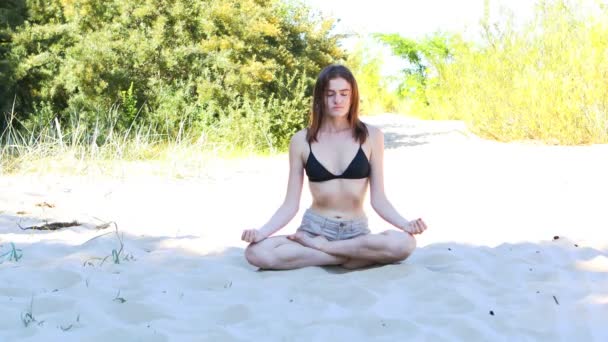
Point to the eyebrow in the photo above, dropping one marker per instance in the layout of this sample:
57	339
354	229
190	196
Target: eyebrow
339	90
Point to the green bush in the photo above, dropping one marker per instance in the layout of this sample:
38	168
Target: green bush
546	81
171	66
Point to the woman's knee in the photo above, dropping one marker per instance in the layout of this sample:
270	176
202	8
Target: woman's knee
402	245
257	256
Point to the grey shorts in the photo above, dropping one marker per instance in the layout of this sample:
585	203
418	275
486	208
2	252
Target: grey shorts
332	229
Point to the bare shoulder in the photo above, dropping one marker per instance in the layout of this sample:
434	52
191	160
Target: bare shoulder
298	142
375	134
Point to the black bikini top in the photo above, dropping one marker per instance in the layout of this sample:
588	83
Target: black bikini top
357	169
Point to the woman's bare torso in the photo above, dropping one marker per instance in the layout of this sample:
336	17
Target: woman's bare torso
338	198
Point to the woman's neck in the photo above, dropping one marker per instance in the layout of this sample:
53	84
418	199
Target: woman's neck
335	125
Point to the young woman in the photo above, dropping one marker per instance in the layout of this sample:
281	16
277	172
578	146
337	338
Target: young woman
340	155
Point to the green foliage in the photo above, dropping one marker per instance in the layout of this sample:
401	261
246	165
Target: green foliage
171	65
12	14
129	104
425	58
531	83
264	123
366	61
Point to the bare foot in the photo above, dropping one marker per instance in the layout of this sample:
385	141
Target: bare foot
312	242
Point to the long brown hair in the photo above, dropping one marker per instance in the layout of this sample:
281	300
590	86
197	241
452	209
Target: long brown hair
318	110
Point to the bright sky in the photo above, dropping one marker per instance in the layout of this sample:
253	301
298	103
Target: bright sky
416	18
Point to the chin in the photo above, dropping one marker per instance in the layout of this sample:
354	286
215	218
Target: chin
338	115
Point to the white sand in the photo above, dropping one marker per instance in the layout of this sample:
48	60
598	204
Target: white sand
493	210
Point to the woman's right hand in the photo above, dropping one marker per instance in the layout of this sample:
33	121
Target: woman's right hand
252	236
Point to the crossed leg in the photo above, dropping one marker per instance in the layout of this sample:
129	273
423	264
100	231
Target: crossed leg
387	247
301	250
280	253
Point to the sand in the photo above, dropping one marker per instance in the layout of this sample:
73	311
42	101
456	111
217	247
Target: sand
517	249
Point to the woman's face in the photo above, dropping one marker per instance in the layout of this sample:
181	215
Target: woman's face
337	97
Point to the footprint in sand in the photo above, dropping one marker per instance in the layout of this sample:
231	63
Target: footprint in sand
448	294
436	260
376	327
132	334
218	282
217	334
468	329
536	273
14	292
47	304
345	296
61	279
134	313
234	314
23	282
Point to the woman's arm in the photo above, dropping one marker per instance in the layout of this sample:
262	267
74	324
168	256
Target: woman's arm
378	198
291	203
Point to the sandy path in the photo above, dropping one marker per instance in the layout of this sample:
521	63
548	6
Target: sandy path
493	210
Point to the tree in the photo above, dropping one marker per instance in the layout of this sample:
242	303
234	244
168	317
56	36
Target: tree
425	56
86	57
12	15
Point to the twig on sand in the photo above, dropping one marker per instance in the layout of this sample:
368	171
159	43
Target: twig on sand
45	204
104	225
51	226
59	225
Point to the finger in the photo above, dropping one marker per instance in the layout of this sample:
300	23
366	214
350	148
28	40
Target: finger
423	224
420	225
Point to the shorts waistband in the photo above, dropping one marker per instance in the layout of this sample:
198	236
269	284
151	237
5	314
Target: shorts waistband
331	228
331	222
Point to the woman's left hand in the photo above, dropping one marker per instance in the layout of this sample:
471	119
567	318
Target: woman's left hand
415	227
